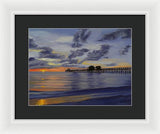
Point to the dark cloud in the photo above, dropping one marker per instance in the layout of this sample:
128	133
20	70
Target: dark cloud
76	44
84	34
31	59
81	37
73	61
34	63
122	33
70	63
78	52
62	61
97	54
32	44
125	50
47	53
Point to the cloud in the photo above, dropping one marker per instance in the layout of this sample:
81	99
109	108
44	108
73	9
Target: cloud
32	43
43	38
43	63
122	33
47	53
31	59
42	52
74	65
84	34
97	54
76	44
79	46
80	37
54	64
125	50
49	59
73	61
103	62
70	62
34	63
78	52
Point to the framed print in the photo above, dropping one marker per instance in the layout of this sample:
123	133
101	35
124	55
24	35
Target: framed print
18	116
80	66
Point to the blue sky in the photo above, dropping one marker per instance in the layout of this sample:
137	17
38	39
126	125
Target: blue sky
75	47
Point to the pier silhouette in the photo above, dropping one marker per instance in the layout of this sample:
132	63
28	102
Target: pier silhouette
98	69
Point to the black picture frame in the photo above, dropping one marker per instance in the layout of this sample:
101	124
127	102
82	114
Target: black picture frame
136	22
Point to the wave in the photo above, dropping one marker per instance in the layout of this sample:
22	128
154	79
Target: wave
50	94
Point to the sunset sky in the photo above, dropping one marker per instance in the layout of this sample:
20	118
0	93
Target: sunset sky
55	49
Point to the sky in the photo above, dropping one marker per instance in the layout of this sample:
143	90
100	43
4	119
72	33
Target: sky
79	47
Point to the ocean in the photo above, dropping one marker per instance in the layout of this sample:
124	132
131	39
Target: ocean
77	88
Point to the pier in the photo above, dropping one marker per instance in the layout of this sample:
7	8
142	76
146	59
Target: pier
103	70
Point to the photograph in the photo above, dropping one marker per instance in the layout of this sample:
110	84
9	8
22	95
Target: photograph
80	66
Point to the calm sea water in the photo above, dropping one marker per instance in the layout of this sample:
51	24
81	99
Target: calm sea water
70	88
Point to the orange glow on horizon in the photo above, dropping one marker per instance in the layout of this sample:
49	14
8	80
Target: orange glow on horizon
62	69
56	69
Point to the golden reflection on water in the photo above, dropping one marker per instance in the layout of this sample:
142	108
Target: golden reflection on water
49	83
49	89
57	100
66	99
